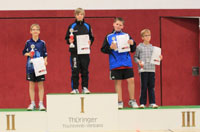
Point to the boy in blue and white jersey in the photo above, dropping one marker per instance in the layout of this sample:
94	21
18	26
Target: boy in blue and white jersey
35	48
121	67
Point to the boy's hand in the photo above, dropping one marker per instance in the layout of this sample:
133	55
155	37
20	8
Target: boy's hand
71	41
140	63
89	42
130	42
161	57
45	62
29	54
113	46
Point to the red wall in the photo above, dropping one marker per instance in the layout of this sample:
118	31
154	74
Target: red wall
14	32
180	43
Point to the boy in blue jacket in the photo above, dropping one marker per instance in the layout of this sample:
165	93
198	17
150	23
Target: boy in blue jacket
121	67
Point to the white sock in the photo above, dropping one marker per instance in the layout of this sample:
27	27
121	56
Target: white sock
41	102
33	102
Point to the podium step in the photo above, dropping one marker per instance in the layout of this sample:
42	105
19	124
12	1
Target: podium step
82	112
98	113
21	120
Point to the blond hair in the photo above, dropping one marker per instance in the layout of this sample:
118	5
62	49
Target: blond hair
79	10
34	25
119	19
144	31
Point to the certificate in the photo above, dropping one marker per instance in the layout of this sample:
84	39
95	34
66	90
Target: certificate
155	58
39	66
83	46
122	43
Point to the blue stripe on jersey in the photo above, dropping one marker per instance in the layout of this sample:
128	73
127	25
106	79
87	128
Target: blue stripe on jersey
87	26
72	84
73	25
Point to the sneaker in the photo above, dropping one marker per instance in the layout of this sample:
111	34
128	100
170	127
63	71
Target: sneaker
154	106
85	90
74	91
31	107
120	105
142	106
133	103
41	107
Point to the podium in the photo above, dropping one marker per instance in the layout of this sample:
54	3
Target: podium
82	112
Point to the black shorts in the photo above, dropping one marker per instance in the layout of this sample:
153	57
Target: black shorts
33	78
120	74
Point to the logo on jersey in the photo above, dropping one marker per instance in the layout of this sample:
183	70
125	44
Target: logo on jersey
75	62
32	46
75	31
113	77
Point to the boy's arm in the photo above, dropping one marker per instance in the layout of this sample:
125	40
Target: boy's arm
25	51
106	47
133	47
27	54
44	50
45	60
45	54
91	35
136	56
67	35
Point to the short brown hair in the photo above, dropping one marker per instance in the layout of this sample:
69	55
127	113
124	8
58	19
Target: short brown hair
79	10
145	31
119	19
34	25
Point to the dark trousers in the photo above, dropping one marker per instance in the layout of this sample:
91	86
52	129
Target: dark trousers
147	83
79	64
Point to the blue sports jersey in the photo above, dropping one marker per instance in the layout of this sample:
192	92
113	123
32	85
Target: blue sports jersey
39	48
117	59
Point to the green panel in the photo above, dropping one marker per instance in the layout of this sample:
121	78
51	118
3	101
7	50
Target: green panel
18	110
166	107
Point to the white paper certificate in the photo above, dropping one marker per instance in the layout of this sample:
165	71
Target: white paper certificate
155	58
122	43
82	44
39	66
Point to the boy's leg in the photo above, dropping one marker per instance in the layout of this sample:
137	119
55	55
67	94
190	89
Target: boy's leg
74	61
118	89
151	88
40	81
84	64
41	90
131	88
41	95
32	90
129	76
143	93
117	76
32	95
